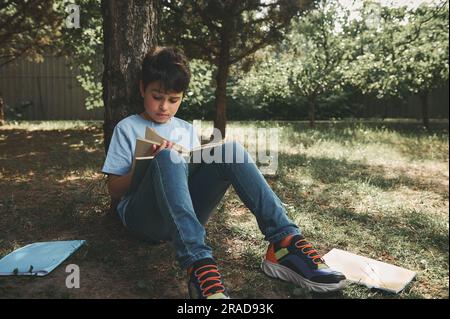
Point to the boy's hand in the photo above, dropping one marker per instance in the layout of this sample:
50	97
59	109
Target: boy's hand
156	149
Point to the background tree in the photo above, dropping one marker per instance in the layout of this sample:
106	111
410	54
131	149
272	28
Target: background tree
318	52
225	32
306	65
406	52
201	91
265	87
83	48
130	30
425	54
27	28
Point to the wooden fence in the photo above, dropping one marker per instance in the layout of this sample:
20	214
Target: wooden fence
49	89
51	92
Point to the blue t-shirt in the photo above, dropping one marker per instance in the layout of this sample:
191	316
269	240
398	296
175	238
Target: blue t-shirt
123	142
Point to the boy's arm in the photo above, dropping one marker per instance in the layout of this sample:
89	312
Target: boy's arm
118	185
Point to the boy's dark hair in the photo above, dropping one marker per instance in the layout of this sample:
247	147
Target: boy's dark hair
167	65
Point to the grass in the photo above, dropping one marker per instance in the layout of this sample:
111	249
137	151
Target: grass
379	189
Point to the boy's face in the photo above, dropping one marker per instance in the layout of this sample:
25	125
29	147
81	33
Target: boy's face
159	105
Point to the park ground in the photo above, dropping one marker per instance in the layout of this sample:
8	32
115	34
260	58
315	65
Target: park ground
375	188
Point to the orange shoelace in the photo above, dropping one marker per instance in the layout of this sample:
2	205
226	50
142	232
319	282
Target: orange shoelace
302	244
218	283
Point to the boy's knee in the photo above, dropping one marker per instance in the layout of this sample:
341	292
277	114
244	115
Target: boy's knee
234	144
234	152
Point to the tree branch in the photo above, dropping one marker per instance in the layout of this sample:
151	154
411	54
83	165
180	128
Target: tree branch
418	28
259	45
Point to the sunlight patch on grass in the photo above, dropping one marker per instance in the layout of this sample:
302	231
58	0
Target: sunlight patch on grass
373	154
88	175
49	125
396	200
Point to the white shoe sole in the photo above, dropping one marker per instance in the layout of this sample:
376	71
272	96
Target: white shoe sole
286	274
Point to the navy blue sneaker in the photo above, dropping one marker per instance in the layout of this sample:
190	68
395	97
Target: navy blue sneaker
293	259
205	281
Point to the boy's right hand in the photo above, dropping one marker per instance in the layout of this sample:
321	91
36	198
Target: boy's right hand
155	149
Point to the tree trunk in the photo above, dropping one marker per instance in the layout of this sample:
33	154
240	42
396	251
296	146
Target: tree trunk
425	109
2	112
312	111
220	102
129	31
386	109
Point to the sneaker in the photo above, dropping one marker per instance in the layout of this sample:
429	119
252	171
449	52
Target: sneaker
205	281
293	259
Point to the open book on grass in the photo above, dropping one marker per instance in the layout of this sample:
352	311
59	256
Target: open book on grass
369	272
142	159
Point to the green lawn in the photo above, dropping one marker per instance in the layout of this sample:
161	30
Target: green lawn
379	189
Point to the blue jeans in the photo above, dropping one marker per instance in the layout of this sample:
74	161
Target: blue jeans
171	205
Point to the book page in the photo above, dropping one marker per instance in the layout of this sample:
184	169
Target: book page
142	148
152	135
208	145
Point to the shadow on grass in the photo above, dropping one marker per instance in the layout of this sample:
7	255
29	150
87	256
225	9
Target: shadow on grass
414	226
52	153
412	230
336	171
117	265
410	224
344	130
113	263
51	192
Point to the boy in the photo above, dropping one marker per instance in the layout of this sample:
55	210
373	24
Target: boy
170	204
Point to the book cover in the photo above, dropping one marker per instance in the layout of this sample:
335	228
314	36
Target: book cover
140	166
369	272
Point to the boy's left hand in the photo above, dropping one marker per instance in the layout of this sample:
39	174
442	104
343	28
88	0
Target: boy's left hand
156	149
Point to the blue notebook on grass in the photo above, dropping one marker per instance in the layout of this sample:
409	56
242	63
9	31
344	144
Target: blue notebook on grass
38	259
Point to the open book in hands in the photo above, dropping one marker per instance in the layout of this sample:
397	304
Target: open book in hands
143	156
143	145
